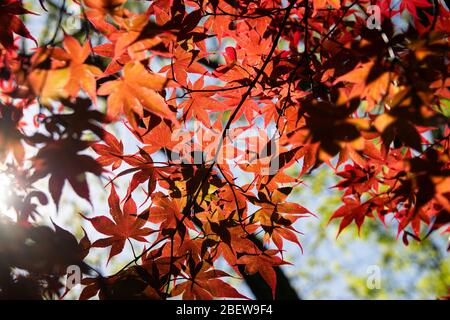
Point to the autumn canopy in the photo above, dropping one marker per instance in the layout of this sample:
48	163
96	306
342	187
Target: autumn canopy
227	106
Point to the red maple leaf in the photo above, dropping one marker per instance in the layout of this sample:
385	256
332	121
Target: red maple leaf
61	159
10	23
201	101
184	62
263	263
127	224
110	153
204	284
412	5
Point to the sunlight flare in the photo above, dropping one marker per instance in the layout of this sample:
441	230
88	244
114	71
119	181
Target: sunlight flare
5	185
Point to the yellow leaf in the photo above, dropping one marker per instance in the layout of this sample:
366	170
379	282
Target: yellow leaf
383	121
49	85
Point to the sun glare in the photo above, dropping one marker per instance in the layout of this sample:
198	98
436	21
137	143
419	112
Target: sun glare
5	184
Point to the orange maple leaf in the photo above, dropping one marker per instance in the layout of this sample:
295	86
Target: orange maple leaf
323	4
81	75
134	92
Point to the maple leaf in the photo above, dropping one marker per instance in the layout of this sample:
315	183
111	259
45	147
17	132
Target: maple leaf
370	81
42	250
391	127
116	64
219	24
131	42
352	210
48	77
254	46
204	284
201	101
356	179
183	62
144	171
61	159
412	5
249	108
10	134
137	282
103	7
110	153
135	91
80	120
282	233
263	264
81	75
166	211
126	224
227	239
277	219
75	250
326	119
156	136
10	23
137	38
323	4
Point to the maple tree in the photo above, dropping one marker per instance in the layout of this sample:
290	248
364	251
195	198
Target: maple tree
309	82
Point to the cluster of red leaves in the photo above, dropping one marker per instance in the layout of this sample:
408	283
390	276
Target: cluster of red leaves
372	101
